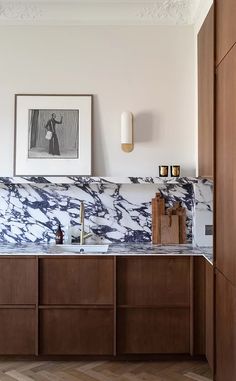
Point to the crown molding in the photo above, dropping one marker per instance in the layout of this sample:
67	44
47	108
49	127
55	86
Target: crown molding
97	12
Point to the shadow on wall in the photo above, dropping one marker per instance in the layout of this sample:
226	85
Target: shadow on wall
97	139
144	127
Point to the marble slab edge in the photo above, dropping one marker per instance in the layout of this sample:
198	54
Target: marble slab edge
114	250
83	180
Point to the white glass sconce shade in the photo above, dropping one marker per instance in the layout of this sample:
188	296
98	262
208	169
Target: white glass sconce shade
127	143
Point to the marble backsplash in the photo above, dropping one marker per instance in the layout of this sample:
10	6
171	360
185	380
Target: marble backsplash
116	210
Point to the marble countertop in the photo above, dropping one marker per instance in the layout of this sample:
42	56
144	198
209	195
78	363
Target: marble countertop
114	249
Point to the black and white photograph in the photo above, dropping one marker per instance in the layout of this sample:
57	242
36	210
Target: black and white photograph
53	134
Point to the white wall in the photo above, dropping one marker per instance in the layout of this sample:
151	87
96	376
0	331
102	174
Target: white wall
203	9
147	70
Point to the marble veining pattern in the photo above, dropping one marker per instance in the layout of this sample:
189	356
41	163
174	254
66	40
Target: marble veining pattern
202	212
89	179
116	210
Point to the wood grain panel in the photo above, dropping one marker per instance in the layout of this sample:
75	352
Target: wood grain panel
199	311
76	331
209	314
76	281
153	281
225	329
225	27
225	210
17	331
153	331
17	281
206	96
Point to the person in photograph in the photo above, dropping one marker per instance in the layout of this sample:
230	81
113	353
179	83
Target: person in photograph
54	148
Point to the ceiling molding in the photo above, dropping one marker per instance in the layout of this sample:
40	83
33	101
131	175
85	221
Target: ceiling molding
97	12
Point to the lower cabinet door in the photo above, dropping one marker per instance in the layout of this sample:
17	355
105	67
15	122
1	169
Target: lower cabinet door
84	331
17	331
147	330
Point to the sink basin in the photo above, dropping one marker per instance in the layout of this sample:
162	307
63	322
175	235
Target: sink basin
85	248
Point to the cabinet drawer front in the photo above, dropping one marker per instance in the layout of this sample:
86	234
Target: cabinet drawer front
76	281
17	331
76	331
20	288
153	281
157	331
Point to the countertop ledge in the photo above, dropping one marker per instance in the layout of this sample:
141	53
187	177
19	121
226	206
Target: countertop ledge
141	249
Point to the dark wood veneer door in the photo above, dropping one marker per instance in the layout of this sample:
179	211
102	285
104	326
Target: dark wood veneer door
17	331
65	281
225	329
225	166
163	330
199	310
225	27
153	296
206	96
76	331
17	281
209	314
153	281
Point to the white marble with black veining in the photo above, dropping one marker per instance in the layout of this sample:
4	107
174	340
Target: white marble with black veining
202	212
143	249
30	212
116	210
89	180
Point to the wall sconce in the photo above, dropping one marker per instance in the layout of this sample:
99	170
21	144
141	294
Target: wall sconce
127	144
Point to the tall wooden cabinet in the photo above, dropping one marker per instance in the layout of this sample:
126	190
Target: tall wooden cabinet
225	27
206	96
225	166
225	329
225	191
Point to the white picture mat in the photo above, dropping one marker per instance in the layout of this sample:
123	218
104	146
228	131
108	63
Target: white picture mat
25	166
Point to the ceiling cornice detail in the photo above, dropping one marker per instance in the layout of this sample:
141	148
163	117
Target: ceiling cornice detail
97	12
171	11
21	12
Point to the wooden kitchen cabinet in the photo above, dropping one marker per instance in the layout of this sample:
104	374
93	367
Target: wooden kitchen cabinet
199	307
209	285
225	211
76	331
153	310
206	96
17	280
225	27
96	305
153	281
225	329
17	331
17	306
76	303
65	281
153	330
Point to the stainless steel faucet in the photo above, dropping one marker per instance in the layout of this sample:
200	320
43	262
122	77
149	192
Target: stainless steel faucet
83	234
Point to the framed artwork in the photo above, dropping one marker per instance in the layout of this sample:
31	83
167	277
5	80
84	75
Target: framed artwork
53	135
